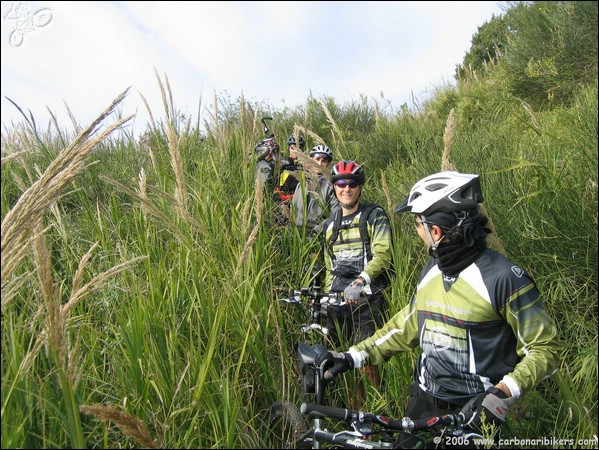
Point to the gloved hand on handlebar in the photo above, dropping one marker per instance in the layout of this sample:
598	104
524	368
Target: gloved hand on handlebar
333	363
493	403
354	291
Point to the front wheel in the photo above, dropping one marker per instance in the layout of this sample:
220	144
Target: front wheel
285	425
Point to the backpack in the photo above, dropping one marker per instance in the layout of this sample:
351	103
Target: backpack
363	227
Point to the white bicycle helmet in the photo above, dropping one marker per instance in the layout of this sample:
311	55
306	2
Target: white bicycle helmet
322	149
443	192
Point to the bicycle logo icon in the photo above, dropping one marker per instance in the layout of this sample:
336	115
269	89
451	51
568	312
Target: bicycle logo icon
24	22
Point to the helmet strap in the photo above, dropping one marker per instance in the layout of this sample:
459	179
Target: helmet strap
434	246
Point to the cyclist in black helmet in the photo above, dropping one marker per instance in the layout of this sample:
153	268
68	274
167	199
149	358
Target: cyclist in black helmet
477	318
289	177
292	144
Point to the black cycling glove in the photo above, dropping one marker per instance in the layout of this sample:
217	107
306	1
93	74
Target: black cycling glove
333	363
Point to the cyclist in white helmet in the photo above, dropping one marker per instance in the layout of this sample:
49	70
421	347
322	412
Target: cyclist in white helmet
314	198
477	317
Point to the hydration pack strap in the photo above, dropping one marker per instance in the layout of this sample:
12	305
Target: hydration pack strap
362	225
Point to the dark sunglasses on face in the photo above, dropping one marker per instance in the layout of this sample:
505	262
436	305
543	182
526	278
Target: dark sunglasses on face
351	183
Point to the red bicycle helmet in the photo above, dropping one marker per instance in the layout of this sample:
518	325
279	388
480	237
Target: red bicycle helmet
348	170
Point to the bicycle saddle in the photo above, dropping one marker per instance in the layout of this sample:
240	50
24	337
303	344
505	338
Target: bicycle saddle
307	354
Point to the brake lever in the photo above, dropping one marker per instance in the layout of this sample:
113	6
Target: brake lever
291	300
354	433
315	326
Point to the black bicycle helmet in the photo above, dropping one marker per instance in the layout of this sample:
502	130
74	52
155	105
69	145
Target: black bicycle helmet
348	170
448	192
291	141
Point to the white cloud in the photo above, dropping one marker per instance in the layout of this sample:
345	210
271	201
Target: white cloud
270	51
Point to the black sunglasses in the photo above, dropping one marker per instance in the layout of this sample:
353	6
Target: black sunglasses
351	183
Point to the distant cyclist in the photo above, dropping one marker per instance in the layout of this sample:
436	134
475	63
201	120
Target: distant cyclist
314	199
267	154
289	177
477	317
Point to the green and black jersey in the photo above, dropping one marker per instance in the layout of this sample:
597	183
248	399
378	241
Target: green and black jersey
484	326
346	258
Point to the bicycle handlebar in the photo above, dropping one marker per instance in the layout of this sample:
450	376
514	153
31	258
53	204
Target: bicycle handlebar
334	298
404	424
267	131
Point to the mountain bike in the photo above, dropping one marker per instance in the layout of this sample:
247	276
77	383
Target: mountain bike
292	426
313	334
315	425
283	417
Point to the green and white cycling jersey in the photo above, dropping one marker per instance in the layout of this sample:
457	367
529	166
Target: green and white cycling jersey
484	326
346	258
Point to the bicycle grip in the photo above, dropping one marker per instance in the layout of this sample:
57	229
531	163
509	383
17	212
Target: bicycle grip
424	424
447	419
326	411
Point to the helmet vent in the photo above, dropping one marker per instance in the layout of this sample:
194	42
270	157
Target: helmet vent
435	187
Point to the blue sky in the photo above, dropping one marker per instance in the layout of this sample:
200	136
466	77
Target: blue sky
83	54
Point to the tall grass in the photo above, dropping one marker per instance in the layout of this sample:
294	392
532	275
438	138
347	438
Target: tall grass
179	342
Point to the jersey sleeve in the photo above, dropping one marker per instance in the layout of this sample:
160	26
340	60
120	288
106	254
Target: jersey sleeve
399	334
379	229
536	334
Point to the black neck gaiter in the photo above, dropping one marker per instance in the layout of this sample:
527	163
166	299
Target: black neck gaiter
453	258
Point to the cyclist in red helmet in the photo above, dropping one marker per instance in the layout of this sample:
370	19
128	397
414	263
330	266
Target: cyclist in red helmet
358	259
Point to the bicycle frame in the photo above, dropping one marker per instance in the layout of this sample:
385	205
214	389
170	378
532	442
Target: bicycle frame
284	415
305	353
312	382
